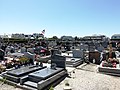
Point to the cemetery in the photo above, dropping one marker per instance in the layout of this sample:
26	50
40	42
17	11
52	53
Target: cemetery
38	67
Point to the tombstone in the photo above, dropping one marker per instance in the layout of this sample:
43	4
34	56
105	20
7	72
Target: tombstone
16	74
23	49
55	51
68	48
31	56
82	47
94	57
2	53
100	48
73	62
77	54
105	44
47	76
31	50
91	48
59	60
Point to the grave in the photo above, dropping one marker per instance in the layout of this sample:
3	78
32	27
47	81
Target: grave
59	60
95	57
23	49
78	54
54	52
31	50
2	53
77	59
16	74
109	70
100	48
73	62
45	77
31	56
37	77
62	61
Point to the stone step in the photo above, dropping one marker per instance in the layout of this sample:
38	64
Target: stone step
31	84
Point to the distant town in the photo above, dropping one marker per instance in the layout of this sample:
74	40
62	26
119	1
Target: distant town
40	36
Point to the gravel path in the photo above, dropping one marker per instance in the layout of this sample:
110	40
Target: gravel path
86	78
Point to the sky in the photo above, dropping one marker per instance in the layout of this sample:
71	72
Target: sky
60	17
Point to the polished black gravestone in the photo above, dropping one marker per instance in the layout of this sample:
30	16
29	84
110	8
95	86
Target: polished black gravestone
16	74
43	74
55	51
44	77
2	53
59	60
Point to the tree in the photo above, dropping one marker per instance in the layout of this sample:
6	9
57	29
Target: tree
76	38
55	37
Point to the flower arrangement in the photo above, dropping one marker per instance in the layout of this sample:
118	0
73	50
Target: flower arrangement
2	68
24	59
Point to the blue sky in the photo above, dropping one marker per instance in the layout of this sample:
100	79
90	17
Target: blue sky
60	17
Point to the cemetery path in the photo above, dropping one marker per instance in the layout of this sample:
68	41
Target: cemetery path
86	77
8	87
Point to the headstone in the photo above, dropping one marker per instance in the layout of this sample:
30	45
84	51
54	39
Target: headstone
100	48
91	48
31	50
94	57
23	49
59	60
77	53
54	52
2	54
84	47
31	56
